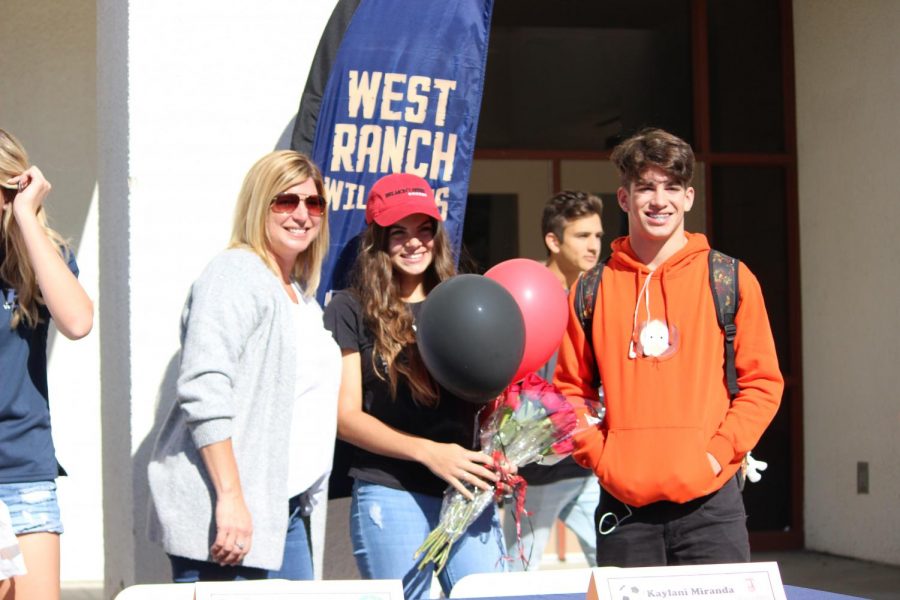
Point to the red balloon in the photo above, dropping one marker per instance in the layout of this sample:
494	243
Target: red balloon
544	306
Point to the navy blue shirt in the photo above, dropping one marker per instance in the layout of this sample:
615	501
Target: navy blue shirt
26	446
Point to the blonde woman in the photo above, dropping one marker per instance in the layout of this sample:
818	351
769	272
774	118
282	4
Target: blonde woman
37	283
246	449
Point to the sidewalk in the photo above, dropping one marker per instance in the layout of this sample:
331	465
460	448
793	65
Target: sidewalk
82	590
836	574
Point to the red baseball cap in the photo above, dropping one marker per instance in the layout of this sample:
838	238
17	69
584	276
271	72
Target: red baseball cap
398	195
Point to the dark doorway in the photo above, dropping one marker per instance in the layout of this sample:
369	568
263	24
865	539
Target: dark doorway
489	236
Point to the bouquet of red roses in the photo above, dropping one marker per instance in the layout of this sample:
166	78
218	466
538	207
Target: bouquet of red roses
530	422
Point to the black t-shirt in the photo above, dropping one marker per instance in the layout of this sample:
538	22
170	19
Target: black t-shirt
451	421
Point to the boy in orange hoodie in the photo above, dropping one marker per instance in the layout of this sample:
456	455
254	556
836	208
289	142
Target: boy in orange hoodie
672	441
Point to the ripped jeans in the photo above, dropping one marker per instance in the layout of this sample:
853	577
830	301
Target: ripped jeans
33	507
388	525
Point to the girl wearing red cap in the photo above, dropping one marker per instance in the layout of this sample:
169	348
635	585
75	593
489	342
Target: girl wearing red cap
411	437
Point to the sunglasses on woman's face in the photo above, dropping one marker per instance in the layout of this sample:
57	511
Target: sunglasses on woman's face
288	203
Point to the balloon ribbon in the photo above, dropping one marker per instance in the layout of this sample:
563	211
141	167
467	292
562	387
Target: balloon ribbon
517	487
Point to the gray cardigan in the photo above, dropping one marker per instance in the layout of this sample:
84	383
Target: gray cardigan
236	380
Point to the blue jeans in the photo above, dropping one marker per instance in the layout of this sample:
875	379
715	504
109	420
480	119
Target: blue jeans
188	570
387	526
297	564
573	501
33	507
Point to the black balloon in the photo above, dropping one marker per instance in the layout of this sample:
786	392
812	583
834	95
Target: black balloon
471	335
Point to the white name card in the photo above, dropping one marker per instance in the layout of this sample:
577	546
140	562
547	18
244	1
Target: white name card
740	581
278	589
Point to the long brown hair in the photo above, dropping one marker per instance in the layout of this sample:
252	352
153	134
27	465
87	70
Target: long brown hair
15	267
385	314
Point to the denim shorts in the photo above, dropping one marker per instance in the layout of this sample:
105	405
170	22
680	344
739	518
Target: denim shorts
32	506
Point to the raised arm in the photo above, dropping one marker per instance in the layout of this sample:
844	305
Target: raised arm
68	303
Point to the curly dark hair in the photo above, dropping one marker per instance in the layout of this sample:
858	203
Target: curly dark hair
567	206
654	148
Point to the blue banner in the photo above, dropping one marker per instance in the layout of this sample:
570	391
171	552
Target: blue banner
403	93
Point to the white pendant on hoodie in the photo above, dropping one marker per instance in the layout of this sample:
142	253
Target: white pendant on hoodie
654	338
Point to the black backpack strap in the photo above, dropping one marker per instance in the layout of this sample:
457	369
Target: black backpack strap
586	289
586	295
723	281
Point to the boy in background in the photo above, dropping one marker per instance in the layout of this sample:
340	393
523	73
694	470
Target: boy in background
572	231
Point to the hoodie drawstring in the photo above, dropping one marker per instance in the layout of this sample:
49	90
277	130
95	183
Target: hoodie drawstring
662	285
645	292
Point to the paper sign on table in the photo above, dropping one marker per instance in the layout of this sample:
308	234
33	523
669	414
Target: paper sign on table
740	581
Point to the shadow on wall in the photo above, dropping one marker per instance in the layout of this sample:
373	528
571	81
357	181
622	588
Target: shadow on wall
339	562
151	564
284	140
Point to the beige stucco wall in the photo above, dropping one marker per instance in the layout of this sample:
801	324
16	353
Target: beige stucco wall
848	130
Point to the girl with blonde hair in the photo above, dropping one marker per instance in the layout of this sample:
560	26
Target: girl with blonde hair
245	452
38	282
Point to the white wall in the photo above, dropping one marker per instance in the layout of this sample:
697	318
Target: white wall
47	99
848	130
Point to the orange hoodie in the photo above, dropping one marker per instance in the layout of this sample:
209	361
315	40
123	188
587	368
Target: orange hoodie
665	412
